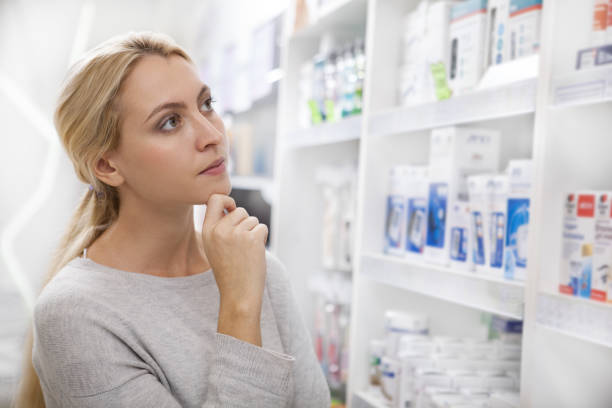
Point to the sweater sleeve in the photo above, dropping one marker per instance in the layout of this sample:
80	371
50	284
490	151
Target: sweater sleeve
85	357
310	387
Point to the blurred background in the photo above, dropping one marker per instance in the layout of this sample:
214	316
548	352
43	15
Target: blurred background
418	163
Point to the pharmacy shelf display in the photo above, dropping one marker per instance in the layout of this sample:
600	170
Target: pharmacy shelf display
542	110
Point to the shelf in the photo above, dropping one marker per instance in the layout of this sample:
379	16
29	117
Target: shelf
583	87
486	293
369	399
348	129
577	317
494	103
338	14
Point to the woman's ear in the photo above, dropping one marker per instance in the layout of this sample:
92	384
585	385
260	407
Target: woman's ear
107	171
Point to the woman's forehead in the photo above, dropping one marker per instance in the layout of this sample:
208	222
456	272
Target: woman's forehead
155	79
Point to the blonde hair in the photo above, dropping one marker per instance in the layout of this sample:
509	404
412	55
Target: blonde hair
87	122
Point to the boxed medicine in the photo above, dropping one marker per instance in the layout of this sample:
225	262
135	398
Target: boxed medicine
455	153
524	27
497	47
577	245
479	221
468	22
416	210
460	236
517	224
497	192
396	211
602	256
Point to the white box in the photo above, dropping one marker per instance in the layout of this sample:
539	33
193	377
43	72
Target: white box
602	255
455	153
524	27
479	221
497	34
578	240
460	236
416	210
467	44
517	224
497	191
396	211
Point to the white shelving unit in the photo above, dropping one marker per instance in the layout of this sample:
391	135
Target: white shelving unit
567	342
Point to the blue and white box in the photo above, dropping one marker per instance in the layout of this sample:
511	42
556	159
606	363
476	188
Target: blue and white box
497	191
416	210
455	153
519	193
479	221
460	236
467	44
396	212
497	33
524	27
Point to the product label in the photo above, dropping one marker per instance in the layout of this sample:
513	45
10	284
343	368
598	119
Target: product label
498	230
416	225
458	248
600	16
438	72
436	217
478	251
393	225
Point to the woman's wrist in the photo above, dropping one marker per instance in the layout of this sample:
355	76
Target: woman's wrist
240	319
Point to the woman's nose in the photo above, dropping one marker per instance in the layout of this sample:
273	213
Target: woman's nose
206	133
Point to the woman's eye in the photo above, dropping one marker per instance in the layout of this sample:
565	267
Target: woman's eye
207	105
170	124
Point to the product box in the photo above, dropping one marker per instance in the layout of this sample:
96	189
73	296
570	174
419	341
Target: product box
479	221
577	245
602	256
455	153
517	224
497	192
416	210
524	27
497	33
460	236
468	22
396	211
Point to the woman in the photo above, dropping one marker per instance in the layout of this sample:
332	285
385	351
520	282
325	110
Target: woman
140	309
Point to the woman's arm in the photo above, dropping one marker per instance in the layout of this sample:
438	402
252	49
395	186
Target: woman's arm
310	389
85	357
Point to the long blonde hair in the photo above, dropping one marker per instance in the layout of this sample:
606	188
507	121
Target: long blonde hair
87	122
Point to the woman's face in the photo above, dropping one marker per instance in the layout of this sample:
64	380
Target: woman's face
169	135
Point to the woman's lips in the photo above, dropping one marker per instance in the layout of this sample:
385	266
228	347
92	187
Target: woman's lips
213	171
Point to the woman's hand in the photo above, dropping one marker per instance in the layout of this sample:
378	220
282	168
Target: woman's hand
234	244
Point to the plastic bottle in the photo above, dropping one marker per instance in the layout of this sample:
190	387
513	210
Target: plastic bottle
318	90
349	81
360	62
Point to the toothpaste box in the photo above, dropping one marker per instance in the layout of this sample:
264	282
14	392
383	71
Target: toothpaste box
468	22
524	27
460	236
517	224
455	154
416	211
479	221
602	256
497	33
396	211
577	245
497	192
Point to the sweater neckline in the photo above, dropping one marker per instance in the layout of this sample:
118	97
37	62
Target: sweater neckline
198	279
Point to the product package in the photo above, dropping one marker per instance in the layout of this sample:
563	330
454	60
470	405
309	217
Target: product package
594	57
467	44
497	44
416	210
602	256
519	193
455	153
577	245
497	192
460	236
396	212
479	221
524	27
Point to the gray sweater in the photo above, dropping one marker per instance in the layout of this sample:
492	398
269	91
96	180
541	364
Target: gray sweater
108	338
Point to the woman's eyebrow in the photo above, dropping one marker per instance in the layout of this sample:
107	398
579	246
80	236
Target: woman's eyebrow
176	105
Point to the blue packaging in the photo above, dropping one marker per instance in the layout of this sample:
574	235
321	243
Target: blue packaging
478	249
498	224
436	217
394	222
517	219
416	221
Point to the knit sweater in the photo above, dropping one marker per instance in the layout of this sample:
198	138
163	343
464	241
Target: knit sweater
109	338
